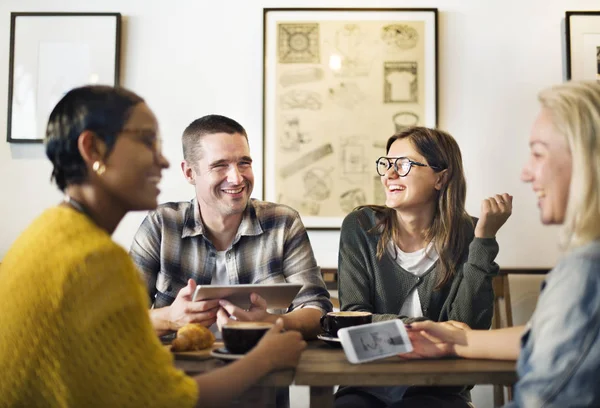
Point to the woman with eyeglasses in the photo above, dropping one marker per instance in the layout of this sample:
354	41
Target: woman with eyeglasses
74	326
421	256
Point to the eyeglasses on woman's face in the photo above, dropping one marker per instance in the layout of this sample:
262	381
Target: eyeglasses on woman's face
402	165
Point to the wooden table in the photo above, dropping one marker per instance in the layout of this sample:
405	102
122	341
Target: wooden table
322	367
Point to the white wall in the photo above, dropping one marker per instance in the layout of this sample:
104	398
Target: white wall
189	58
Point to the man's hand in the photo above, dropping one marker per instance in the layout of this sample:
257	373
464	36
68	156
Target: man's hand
256	313
183	311
435	339
494	213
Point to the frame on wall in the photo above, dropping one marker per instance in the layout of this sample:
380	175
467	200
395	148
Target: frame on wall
582	30
51	53
337	83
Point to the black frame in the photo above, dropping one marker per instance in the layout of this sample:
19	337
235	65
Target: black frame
13	22
568	15
264	114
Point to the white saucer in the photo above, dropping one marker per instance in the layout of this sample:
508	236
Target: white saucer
223	354
332	341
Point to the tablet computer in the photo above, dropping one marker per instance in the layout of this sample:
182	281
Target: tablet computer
277	295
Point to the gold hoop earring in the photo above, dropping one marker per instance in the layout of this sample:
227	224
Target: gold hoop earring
99	168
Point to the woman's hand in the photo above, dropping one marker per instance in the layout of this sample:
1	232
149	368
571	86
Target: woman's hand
280	349
494	213
435	339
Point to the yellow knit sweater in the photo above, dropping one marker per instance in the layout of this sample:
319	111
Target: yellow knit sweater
74	325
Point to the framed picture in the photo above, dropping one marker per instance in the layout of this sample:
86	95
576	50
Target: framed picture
583	45
337	84
51	53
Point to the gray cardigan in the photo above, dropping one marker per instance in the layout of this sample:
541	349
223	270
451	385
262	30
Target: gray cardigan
381	286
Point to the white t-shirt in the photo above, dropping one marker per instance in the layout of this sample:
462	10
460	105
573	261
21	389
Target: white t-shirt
220	277
417	263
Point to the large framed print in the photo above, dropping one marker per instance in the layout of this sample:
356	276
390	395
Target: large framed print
51	53
582	30
337	84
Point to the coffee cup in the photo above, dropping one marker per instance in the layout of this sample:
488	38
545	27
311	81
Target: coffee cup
333	321
241	337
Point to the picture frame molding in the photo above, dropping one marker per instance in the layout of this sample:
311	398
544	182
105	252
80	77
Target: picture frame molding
568	34
435	15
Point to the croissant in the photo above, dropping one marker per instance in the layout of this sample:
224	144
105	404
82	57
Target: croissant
192	336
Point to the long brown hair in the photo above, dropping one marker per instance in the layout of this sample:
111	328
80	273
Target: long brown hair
451	225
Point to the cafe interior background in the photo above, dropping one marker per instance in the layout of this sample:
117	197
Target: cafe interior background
190	58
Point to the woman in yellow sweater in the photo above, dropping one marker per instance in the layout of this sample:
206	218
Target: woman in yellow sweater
74	329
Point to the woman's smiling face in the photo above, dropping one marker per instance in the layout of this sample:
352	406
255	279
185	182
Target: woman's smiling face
549	169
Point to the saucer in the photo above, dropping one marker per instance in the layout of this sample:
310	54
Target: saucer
223	354
332	341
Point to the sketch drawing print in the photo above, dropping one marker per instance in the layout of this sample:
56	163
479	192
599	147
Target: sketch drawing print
356	59
300	99
301	76
399	36
352	158
304	207
292	136
378	191
337	84
317	184
298	43
347	95
351	199
306	160
380	145
404	120
400	82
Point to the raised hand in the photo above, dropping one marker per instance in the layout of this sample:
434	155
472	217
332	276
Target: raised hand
183	311
494	213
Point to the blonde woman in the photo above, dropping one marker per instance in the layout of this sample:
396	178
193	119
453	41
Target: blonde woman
559	349
421	256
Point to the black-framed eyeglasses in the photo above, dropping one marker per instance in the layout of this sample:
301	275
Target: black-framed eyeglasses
402	165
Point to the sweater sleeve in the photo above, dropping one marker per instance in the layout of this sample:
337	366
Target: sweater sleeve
116	355
471	299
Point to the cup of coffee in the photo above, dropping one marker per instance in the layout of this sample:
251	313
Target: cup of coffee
333	321
241	337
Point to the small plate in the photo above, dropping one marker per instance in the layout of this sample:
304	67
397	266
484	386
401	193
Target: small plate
223	354
332	341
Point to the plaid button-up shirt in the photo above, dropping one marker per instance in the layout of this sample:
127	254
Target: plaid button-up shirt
271	246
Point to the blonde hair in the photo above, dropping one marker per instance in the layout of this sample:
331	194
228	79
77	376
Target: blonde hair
575	111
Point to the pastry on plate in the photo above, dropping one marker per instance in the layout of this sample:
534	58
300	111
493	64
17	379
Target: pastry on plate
191	337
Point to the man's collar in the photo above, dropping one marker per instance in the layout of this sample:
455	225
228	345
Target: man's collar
193	226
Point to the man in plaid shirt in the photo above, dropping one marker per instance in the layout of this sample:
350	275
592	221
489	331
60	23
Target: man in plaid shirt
222	236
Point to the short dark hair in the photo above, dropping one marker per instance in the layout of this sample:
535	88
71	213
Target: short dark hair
97	108
206	125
